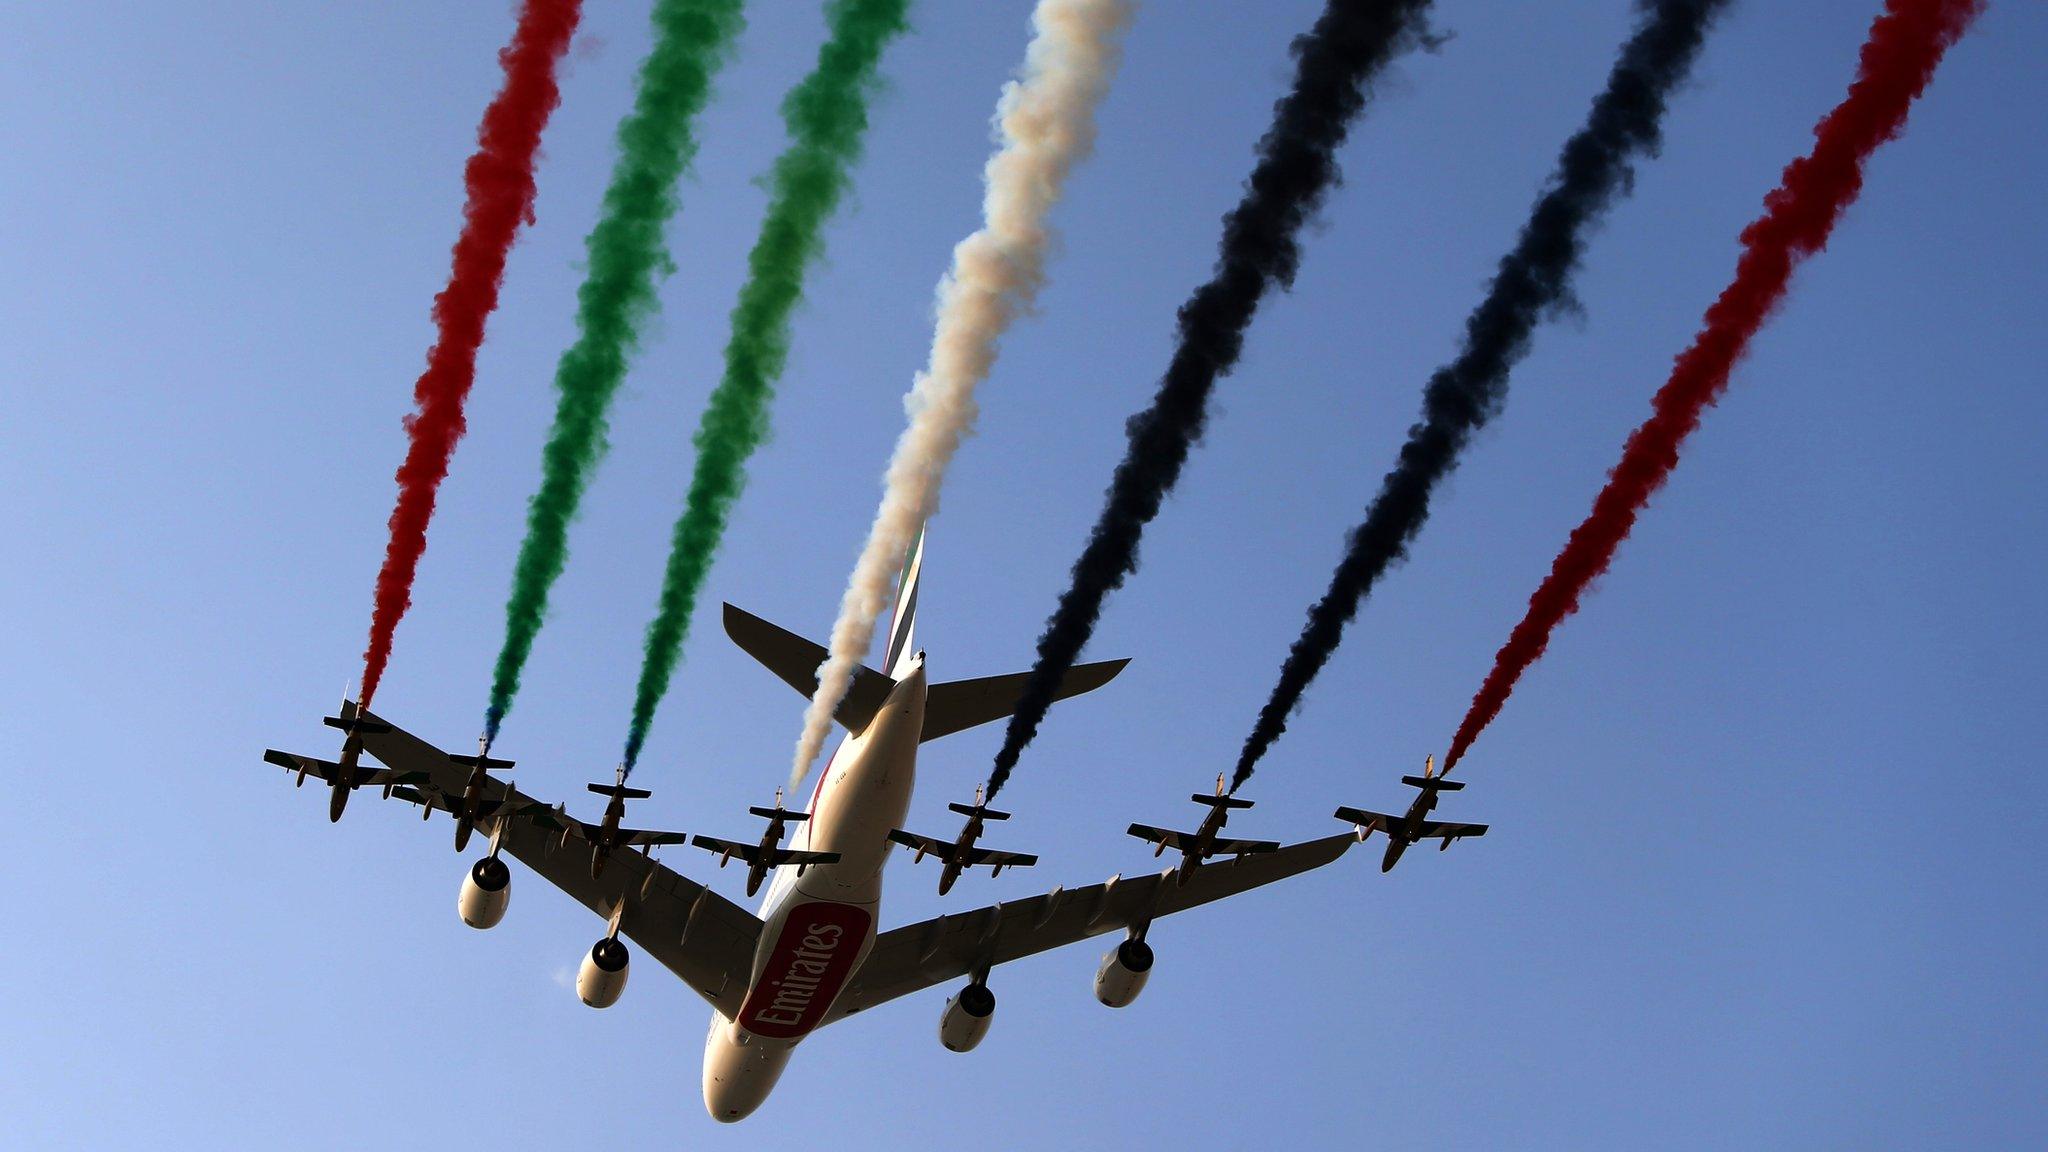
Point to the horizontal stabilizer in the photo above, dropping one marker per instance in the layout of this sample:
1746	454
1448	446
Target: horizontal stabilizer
1436	782
487	763
356	725
780	814
1220	801
795	661
958	705
951	707
981	810
620	791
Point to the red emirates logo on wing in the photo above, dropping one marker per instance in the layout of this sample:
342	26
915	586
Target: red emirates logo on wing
808	965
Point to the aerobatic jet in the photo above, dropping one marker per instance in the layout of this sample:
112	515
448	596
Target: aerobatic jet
959	853
812	954
1206	840
769	854
347	774
606	836
1403	831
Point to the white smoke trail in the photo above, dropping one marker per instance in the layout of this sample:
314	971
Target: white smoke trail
1046	124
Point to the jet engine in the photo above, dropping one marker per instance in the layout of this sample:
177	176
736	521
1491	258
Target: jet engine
1123	972
602	979
967	1018
485	893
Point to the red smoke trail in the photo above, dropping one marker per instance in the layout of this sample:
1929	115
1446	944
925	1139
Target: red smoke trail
499	182
1899	58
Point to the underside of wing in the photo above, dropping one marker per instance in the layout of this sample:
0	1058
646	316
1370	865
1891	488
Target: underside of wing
917	956
705	939
293	762
729	848
1372	821
1002	859
1152	835
649	838
1244	847
1436	828
925	844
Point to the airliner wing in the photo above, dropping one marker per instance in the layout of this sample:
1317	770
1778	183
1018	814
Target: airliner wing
705	939
917	956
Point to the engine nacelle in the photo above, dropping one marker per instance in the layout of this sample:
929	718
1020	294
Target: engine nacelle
1123	972
485	893
967	1018
602	979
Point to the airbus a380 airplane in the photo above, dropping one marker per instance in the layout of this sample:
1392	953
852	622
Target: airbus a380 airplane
813	955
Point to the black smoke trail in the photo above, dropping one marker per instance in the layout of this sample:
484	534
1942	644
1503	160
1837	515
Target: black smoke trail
1532	283
1352	42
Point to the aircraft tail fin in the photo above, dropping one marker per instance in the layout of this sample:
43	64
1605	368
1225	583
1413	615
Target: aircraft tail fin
903	622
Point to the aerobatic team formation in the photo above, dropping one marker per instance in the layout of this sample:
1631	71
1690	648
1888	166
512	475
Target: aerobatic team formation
813	953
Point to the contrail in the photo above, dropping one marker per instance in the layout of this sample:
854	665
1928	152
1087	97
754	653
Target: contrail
1335	62
656	143
1595	166
1046	125
827	115
1905	45
499	186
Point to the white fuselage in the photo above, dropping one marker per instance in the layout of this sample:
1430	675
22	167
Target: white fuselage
817	927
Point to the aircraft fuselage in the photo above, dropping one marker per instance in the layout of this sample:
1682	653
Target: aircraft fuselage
817	927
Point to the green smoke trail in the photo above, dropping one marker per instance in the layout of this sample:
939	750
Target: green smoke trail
626	254
827	116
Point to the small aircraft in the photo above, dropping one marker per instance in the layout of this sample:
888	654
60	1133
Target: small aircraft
473	806
1403	831
606	836
348	774
769	854
1203	842
960	853
480	801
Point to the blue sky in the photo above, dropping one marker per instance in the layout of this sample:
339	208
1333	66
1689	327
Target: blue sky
1763	868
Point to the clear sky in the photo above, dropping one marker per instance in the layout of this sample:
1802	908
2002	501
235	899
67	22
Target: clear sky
1764	868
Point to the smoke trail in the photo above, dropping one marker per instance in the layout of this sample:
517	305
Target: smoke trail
1905	45
499	186
827	115
1046	123
656	142
1533	281
1352	41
